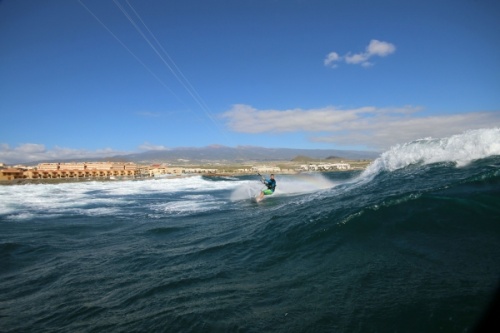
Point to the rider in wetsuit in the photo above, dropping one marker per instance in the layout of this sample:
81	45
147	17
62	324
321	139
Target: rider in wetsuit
271	186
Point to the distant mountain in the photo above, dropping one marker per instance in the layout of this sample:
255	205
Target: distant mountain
334	158
302	159
216	153
243	153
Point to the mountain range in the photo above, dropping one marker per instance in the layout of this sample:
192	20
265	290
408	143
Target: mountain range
224	154
242	154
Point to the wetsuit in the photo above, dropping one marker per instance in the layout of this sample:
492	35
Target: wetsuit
271	186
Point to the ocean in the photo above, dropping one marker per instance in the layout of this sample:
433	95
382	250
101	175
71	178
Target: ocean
411	244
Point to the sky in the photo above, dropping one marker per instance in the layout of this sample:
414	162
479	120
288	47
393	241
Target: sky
96	78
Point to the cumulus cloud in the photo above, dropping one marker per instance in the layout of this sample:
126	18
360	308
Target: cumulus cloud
379	48
369	126
30	152
374	48
331	59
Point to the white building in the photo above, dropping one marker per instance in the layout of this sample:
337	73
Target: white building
265	169
325	167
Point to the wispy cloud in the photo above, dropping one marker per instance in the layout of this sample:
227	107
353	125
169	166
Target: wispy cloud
374	48
369	126
146	146
246	119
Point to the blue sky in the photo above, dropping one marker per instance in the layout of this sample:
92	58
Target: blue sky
97	78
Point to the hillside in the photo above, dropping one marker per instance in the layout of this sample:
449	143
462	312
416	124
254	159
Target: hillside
224	154
245	153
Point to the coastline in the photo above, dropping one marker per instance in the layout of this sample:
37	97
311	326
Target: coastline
158	171
56	181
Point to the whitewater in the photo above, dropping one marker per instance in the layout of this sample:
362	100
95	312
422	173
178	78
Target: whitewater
410	244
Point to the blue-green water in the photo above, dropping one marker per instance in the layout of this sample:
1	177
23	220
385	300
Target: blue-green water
410	245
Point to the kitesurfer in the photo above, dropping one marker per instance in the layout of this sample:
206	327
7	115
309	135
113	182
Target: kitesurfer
271	186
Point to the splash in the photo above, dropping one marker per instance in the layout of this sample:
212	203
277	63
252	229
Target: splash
459	149
286	185
304	183
245	190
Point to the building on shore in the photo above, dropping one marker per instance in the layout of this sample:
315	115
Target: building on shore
161	171
11	174
326	167
115	170
266	169
72	171
98	170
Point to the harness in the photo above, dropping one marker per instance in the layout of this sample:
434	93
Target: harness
271	184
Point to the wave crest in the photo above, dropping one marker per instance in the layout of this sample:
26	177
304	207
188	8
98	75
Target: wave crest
460	149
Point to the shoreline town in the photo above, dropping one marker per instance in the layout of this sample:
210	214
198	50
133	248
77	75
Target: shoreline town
91	171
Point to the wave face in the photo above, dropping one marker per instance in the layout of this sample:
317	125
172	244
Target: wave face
411	244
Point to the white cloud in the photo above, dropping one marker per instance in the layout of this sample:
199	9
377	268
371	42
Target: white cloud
246	119
356	58
372	127
379	48
31	148
383	133
374	48
33	152
30	152
331	59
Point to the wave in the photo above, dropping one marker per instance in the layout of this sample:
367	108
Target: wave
409	172
458	149
404	171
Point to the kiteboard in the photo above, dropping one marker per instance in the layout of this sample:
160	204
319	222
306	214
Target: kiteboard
257	198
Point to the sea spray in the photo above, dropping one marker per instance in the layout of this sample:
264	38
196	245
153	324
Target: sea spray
304	183
286	185
246	190
459	149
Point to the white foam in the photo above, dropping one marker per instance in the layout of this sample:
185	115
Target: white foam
185	207
24	202
459	149
101	211
245	190
21	216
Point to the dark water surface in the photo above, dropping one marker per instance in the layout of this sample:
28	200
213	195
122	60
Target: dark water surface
410	245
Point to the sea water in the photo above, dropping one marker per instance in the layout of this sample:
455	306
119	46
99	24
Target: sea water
411	244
